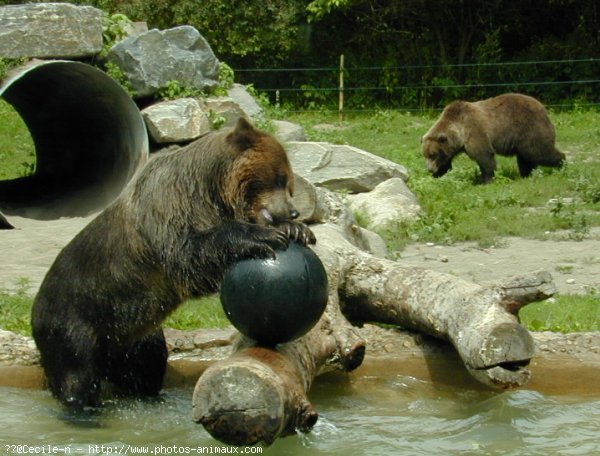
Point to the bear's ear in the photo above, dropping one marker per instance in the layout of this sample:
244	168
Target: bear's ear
442	139
244	136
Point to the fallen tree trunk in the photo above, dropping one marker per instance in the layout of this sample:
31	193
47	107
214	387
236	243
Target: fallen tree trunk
479	321
260	393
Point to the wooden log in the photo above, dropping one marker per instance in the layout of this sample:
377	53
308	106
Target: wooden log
260	393
479	321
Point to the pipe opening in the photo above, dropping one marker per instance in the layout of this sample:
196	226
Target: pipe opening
89	140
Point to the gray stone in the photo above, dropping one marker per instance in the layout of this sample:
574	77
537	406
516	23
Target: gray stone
226	109
152	59
389	202
287	131
176	120
374	243
50	30
240	95
340	167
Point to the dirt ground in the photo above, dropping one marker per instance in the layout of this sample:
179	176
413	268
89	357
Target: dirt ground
28	251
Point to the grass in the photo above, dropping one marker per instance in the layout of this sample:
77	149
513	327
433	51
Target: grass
198	313
17	152
454	209
565	313
15	312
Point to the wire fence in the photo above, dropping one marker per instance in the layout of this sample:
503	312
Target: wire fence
560	84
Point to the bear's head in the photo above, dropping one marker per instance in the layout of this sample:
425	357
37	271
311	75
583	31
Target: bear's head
439	148
260	181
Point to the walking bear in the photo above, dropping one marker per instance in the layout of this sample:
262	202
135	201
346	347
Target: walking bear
185	218
509	124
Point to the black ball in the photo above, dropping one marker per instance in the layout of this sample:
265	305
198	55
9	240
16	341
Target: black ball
275	301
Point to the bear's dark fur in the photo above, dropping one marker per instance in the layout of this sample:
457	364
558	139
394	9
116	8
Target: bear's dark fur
187	216
509	124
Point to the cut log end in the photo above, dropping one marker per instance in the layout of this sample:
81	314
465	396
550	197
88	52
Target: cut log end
240	404
503	359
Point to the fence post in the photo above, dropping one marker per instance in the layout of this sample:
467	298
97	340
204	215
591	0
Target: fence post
341	98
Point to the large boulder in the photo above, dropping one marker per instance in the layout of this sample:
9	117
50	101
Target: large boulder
152	59
390	202
341	167
47	30
176	121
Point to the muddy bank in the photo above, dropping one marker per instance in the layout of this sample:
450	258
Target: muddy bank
563	364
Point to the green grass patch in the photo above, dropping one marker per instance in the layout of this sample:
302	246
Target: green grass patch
563	313
206	312
15	312
17	151
15	308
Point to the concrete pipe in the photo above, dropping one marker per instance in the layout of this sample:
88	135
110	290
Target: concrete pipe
89	139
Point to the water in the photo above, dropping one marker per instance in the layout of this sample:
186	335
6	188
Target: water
359	415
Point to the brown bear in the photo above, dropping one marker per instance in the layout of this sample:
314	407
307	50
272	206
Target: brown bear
509	124
185	218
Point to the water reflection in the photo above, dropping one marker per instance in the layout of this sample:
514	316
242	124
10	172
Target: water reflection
359	415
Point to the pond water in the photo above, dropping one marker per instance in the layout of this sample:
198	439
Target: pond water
359	415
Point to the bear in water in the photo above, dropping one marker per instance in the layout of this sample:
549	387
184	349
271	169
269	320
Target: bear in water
186	217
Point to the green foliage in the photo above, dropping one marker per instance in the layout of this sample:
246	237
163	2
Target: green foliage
115	72
226	76
320	8
217	120
113	29
175	89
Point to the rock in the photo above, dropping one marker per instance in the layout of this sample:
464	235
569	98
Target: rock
135	28
176	120
389	202
17	349
340	167
374	243
50	30
287	131
226	109
240	96
335	214
152	59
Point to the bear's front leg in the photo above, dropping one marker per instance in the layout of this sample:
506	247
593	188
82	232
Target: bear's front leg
204	256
